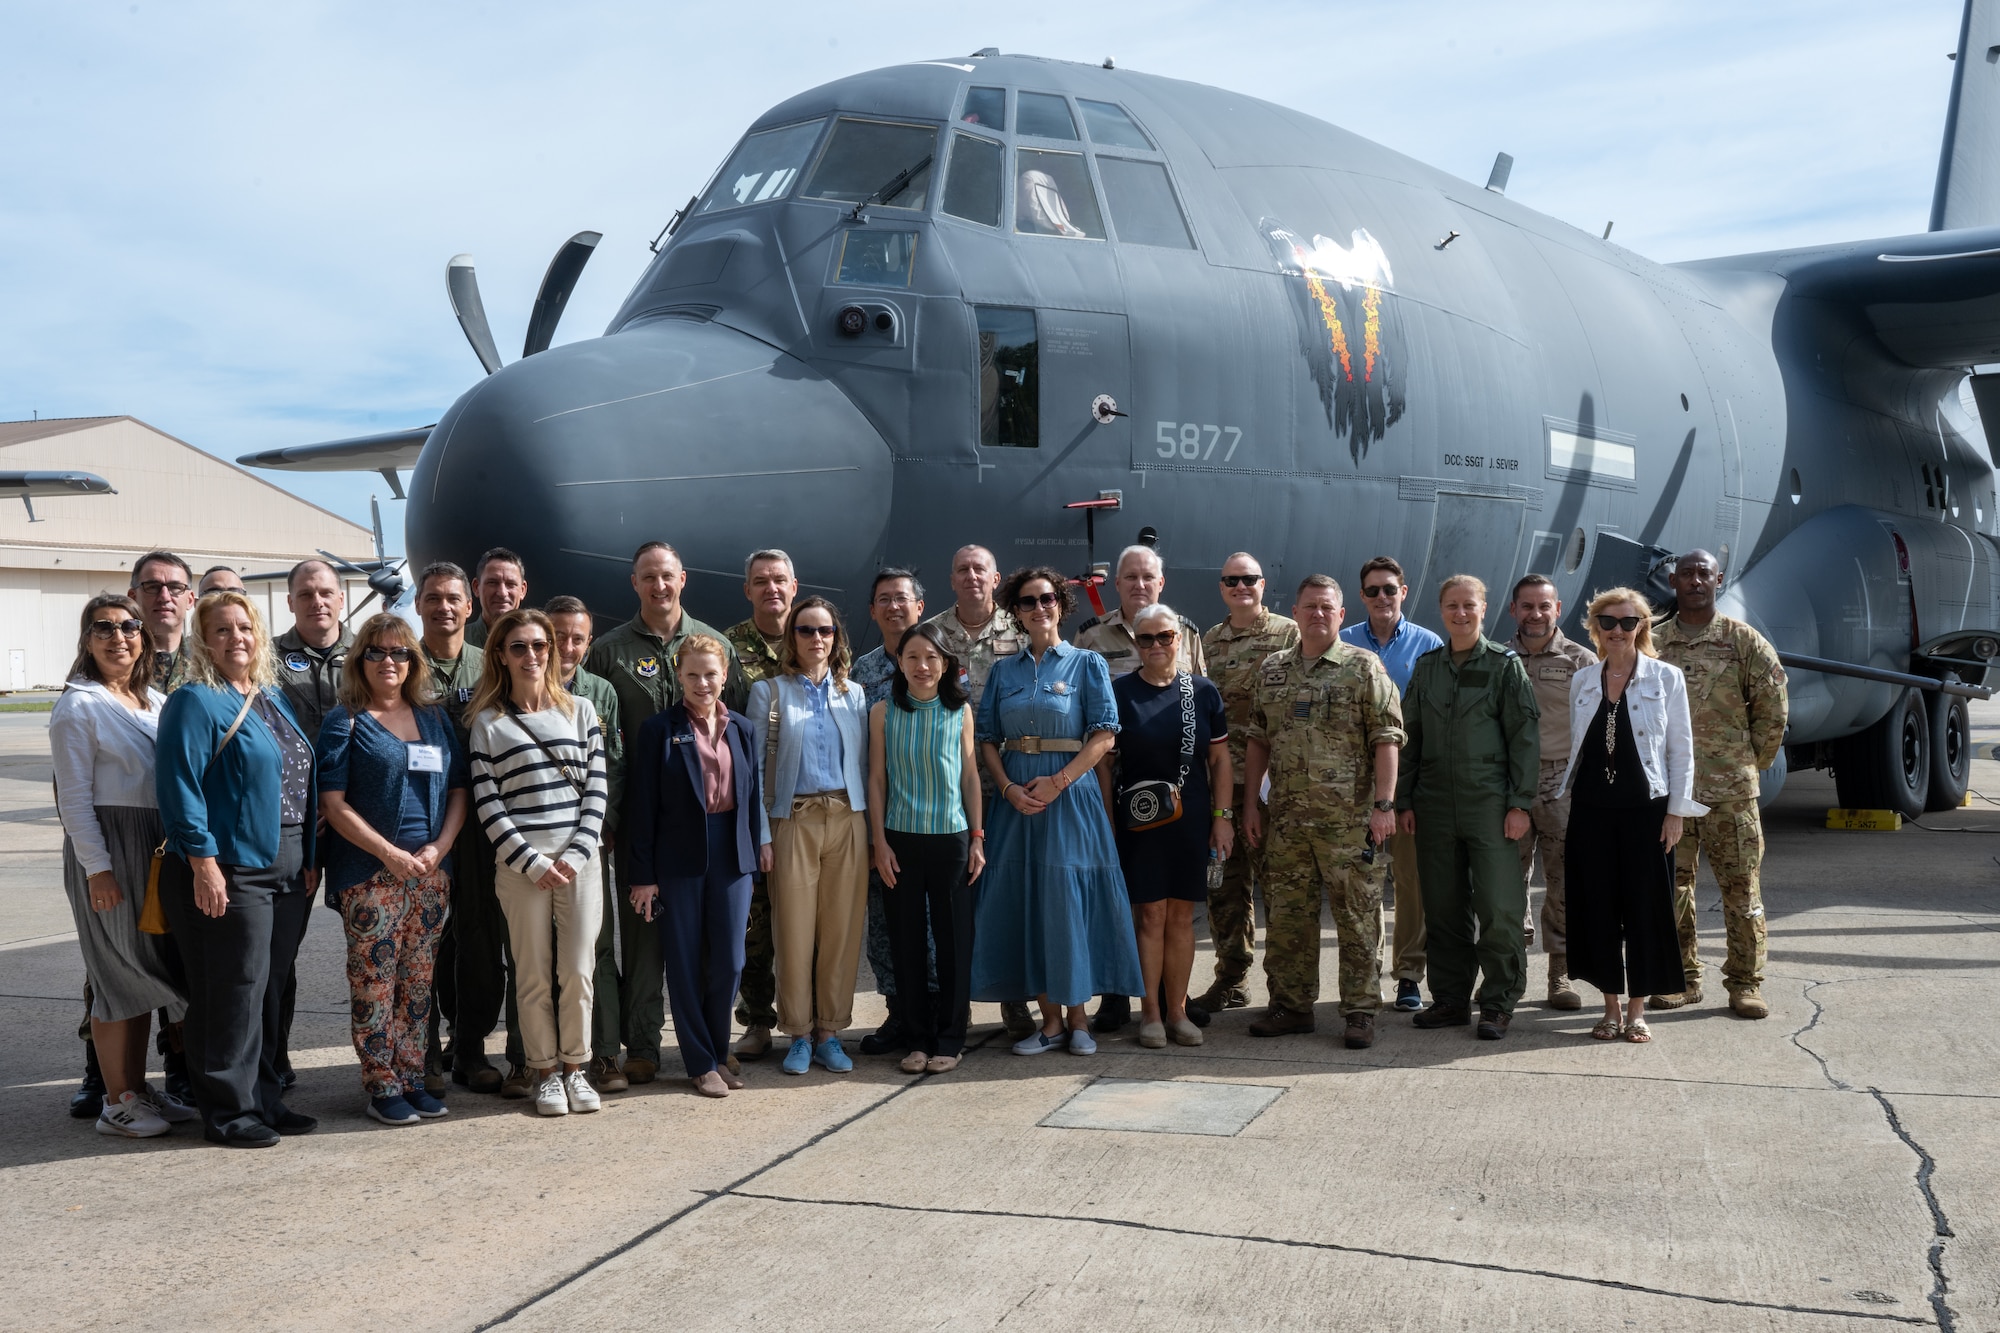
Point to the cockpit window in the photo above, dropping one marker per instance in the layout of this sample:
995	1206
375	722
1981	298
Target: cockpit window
762	168
1141	201
875	162
877	258
972	185
986	107
1052	196
1045	116
1108	124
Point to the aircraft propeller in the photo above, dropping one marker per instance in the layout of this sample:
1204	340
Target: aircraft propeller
461	283
384	575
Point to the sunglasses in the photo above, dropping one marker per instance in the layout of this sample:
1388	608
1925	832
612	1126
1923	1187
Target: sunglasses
153	587
527	647
816	631
1241	580
105	629
1029	601
1626	623
1381	590
400	656
1164	639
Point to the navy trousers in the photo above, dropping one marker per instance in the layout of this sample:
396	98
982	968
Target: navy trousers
701	923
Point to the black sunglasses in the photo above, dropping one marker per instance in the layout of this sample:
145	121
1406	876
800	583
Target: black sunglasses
1626	623
400	656
817	631
104	629
1029	600
1241	580
1381	590
1163	639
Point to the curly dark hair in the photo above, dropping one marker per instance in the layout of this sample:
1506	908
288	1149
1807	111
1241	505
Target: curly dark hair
1010	591
950	692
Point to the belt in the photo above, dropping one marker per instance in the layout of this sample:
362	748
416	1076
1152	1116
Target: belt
824	797
1041	745
1554	763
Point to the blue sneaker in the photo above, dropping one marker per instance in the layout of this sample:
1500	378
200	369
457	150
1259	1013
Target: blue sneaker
1408	998
1081	1042
425	1105
800	1057
1039	1042
831	1058
392	1111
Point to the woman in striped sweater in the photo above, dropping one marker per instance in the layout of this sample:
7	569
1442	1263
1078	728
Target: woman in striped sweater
539	787
923	800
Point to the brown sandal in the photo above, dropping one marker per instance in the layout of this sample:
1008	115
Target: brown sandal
1607	1029
1637	1032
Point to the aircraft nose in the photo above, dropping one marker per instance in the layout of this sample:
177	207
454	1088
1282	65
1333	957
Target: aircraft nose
678	431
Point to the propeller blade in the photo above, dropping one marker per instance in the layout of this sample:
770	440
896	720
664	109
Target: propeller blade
557	284
463	286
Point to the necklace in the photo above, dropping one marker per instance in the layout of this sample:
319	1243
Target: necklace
1611	744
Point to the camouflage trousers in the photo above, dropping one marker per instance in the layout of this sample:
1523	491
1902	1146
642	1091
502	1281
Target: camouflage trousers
1232	911
757	994
1303	859
1732	834
1548	828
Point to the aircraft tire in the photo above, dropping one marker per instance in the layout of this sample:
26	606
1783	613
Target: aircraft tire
1951	751
1888	765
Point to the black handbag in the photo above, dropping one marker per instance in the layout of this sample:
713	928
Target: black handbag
1144	806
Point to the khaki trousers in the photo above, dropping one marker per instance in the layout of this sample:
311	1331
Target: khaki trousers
819	911
1407	947
1548	829
553	930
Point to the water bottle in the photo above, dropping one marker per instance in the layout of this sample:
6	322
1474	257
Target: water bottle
1214	869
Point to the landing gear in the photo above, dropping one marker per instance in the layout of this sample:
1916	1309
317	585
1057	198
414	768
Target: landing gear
1951	750
1889	766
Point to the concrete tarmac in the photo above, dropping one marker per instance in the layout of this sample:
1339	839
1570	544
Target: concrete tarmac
1831	1167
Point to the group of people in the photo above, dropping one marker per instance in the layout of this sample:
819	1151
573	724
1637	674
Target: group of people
513	815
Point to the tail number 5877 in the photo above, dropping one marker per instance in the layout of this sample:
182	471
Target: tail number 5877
1195	442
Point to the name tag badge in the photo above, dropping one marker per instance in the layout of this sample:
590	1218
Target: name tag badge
426	759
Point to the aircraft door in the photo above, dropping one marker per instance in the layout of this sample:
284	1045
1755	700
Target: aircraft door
1084	356
1470	534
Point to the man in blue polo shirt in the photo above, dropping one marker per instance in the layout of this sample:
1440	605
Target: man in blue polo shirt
1399	644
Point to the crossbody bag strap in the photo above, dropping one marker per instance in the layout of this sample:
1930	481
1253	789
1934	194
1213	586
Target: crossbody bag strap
249	700
561	767
1187	729
771	749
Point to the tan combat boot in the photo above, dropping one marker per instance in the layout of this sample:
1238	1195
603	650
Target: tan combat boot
1749	1003
1692	995
1562	995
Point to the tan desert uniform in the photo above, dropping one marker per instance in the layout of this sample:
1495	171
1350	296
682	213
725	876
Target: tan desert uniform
1235	660
978	649
1736	695
1111	639
1549	671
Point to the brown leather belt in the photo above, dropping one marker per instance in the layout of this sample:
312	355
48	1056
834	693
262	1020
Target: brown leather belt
1042	745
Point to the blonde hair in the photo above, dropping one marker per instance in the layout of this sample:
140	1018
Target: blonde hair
202	667
1613	597
1471	581
495	684
391	631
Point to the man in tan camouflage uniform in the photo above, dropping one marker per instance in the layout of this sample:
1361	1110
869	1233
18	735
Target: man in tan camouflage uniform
1236	650
1736	693
1326	725
1551	658
975	630
1140	580
771	585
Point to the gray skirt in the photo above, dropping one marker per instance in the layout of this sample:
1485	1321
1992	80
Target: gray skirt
128	968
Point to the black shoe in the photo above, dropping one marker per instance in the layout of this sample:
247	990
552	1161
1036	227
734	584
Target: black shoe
1113	1012
1444	1014
253	1134
1493	1024
88	1100
1197	1014
892	1038
1219	997
177	1080
288	1080
476	1072
296	1122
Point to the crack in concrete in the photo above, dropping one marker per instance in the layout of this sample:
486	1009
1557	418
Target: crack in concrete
1940	1225
1335	1247
1818	1012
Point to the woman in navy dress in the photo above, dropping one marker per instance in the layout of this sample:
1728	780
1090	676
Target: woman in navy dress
1053	921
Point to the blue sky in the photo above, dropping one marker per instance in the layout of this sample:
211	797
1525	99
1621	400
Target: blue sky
232	221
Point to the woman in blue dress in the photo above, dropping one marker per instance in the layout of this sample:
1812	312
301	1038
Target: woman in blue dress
1053	920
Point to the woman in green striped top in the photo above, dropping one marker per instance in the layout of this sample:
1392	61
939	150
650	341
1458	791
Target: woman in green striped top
924	806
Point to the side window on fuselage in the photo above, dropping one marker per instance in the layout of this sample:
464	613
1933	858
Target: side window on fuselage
1008	380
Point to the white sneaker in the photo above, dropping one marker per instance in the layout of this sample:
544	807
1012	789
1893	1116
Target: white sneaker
167	1106
582	1097
550	1099
130	1118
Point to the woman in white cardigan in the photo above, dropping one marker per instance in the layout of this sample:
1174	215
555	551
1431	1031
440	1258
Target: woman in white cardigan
810	725
1631	782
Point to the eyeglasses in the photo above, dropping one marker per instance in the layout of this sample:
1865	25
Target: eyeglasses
1626	623
897	599
1028	601
401	656
524	648
1164	639
105	629
1381	590
1241	580
816	631
153	588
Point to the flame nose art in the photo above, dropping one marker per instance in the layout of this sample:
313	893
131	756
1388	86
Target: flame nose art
678	431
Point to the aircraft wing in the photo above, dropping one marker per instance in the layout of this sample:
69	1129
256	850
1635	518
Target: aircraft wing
363	453
35	485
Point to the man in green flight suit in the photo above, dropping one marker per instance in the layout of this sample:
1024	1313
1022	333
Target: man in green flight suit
1468	779
638	659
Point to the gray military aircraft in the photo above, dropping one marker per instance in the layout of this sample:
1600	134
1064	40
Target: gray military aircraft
1042	305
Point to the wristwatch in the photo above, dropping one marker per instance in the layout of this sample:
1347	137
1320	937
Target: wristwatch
1224	813
1386	807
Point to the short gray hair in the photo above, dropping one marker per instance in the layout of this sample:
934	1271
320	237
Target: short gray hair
1133	550
1156	611
769	553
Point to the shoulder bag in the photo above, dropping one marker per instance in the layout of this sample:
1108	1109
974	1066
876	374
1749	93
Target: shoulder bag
153	916
1143	806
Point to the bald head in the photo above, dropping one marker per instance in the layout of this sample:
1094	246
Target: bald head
1696	579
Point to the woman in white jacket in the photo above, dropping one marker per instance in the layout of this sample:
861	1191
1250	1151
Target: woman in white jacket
1631	782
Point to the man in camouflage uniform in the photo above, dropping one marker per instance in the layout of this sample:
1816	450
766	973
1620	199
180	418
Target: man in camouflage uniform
771	585
1736	694
1325	724
1551	658
1236	650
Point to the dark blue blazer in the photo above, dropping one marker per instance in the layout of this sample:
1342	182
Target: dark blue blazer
370	766
666	820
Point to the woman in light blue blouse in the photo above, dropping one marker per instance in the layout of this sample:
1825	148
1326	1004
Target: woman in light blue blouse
1053	920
